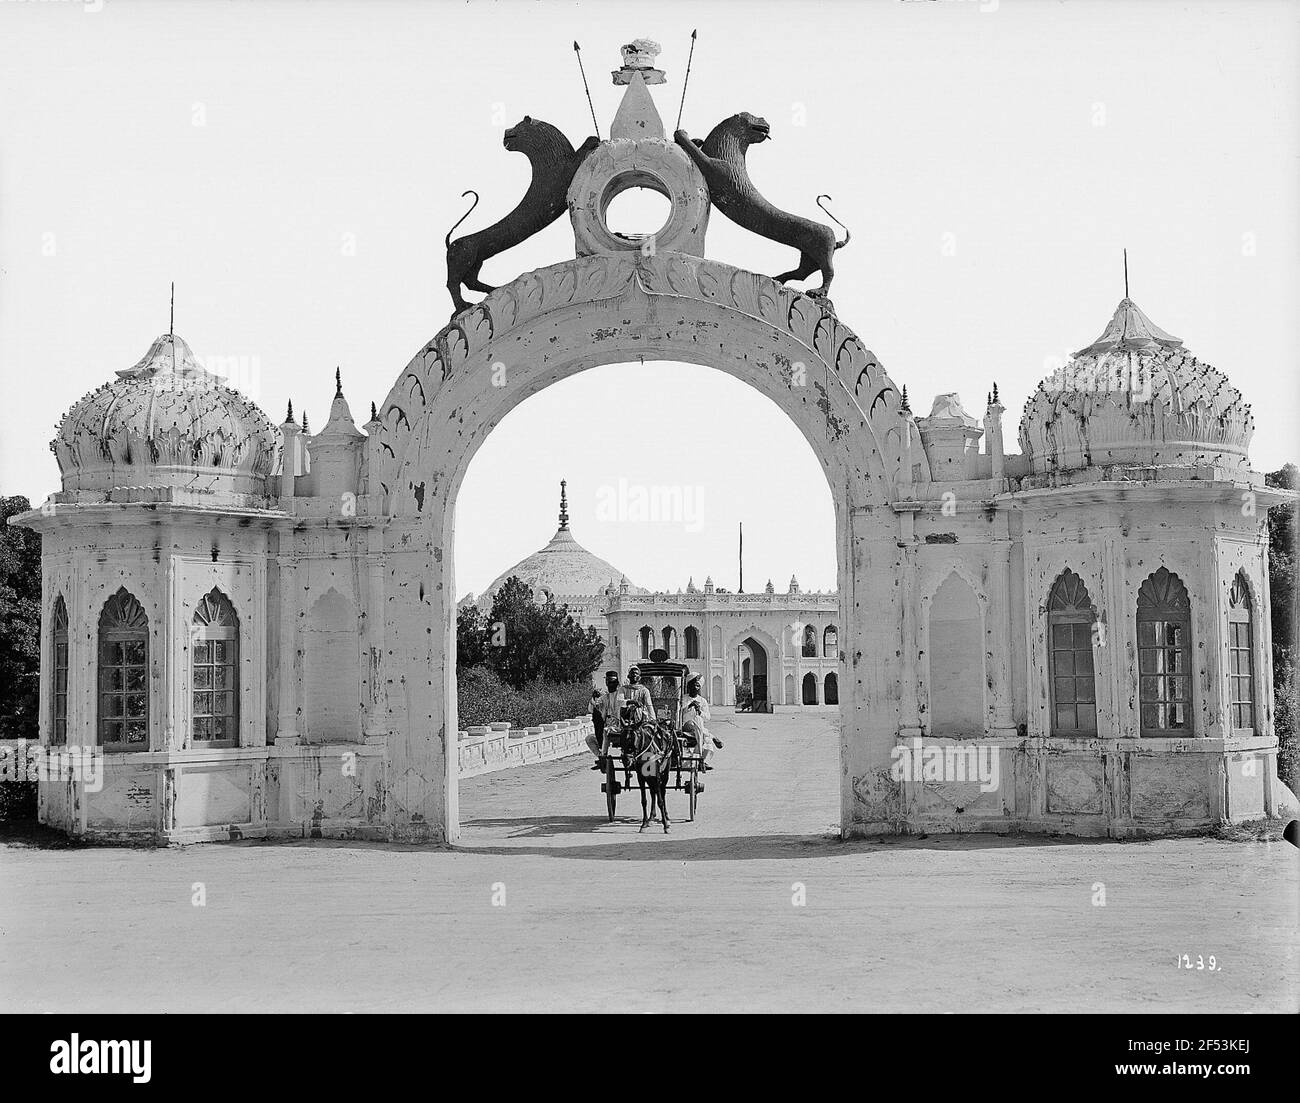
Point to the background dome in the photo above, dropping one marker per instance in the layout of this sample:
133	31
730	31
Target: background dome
1135	396
165	422
563	569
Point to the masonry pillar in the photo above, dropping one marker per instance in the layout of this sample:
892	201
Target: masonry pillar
290	644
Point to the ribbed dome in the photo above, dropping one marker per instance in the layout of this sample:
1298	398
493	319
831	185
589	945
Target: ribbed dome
165	422
563	569
1135	396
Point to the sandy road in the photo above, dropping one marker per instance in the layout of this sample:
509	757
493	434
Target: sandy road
597	917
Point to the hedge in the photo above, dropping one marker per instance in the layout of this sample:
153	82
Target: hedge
482	697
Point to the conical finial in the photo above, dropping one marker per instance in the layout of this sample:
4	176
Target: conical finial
564	506
906	407
988	398
288	417
374	413
1126	273
304	422
338	383
171	319
995	392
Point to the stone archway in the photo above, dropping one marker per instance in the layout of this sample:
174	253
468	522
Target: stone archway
594	310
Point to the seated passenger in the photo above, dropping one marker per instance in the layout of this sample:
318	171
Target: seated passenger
695	719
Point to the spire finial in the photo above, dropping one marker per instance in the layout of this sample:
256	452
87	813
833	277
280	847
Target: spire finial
374	413
905	407
304	422
995	392
564	506
1126	273
338	383
288	418
171	319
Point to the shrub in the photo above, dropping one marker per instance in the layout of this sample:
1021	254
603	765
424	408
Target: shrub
483	697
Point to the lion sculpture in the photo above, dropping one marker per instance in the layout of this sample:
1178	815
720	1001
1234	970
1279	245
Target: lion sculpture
554	163
721	161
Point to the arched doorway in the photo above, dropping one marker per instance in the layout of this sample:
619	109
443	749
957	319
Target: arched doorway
753	665
831	696
810	688
604	309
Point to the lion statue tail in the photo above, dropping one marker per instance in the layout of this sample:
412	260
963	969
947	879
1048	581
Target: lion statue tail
469	212
847	236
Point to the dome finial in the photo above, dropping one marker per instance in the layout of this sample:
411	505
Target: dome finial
564	506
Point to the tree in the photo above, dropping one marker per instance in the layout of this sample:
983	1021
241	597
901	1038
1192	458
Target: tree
20	624
1282	568
1285	623
537	641
473	636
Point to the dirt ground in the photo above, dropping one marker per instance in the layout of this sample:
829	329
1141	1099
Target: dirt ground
592	916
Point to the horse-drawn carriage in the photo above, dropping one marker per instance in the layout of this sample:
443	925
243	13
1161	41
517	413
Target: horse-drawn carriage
655	749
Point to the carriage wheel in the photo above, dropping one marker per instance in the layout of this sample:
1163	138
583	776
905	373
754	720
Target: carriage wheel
694	773
611	786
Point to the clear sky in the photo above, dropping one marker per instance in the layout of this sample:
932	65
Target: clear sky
294	167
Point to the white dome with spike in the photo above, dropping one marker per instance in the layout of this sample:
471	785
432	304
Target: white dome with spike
165	422
1136	397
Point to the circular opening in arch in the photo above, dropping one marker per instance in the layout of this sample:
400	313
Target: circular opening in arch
636	206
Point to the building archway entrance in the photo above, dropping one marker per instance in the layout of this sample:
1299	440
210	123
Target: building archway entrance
754	668
604	309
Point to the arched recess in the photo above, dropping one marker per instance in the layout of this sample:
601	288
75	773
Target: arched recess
789	698
956	678
831	696
716	691
605	309
691	642
331	655
810	688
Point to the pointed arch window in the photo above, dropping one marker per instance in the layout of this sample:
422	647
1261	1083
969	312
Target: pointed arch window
214	672
1164	627
59	668
809	642
810	688
670	642
691	637
1241	655
647	641
1070	617
830	643
123	720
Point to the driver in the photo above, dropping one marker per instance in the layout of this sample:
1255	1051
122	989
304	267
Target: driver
635	693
